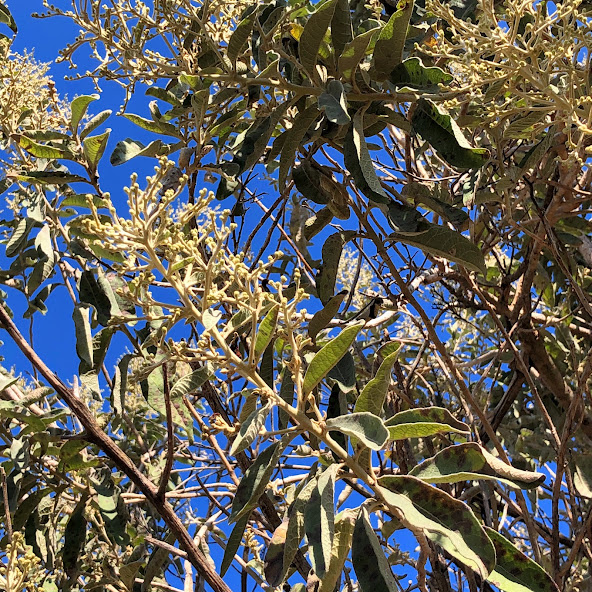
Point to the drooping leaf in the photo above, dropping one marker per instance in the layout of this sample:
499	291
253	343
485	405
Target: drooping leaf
388	51
84	347
411	73
128	573
92	292
233	543
370	564
443	519
372	398
293	140
582	475
266	367
316	223
441	241
344	373
240	36
342	541
287	394
94	148
128	149
159	559
255	480
331	255
74	537
354	52
423	422
333	103
158	127
112	509
365	427
94	123
341	27
514	571
265	331
50	178
274	557
249	430
313	35
119	391
324	316
191	382
42	150
444	135
78	108
19	237
328	356
470	461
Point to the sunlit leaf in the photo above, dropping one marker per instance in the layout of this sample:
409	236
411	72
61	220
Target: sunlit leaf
372	398
333	103
423	422
364	426
313	35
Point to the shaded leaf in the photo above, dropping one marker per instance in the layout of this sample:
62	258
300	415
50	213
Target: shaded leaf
370	564
240	36
413	74
423	422
159	558
249	430
388	51
444	520
128	149
354	52
233	543
112	509
342	541
128	573
470	461
42	150
313	35
266	331
19	237
328	356
341	27
74	537
6	18
92	292
333	103
344	373
84	347
324	316
50	178
287	394
95	122
331	255
274	556
372	398
514	571
191	382
444	135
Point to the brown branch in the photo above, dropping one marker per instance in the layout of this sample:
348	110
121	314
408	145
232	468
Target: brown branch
168	467
96	435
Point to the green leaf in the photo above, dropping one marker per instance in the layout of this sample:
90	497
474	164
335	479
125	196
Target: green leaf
78	108
344	373
266	331
443	519
19	237
287	394
128	573
364	426
50	178
274	557
514	571
191	382
341	27
42	150
249	430
423	422
441	241
444	135
370	564
94	123
319	520
470	461
240	36
313	35
293	140
159	558
6	18
523	126
84	347
342	541
266	367
255	480
94	148
316	223
372	398
128	149
74	537
413	74
358	162
93	292
333	103
158	127
388	51
353	53
112	509
331	255
324	316
328	356
119	392
582	475
233	543
316	183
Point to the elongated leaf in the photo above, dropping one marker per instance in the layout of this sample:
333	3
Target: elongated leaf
274	557
293	140
158	127
333	103
42	150
6	18
470	461
266	367
388	51
341	27
128	149
313	35
423	422
50	178
255	480
78	108
159	559
84	347
94	148
112	509
74	537
441	241
234	542
365	427
444	520
354	52
514	571
316	223
240	36
319	520
324	316
344	373
93	292
372	397
522	127
95	122
444	135
370	564
328	356
249	430
342	541
331	254
191	382
413	74
265	331
287	394
19	237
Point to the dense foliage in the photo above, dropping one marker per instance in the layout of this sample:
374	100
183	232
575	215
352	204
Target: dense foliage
340	339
